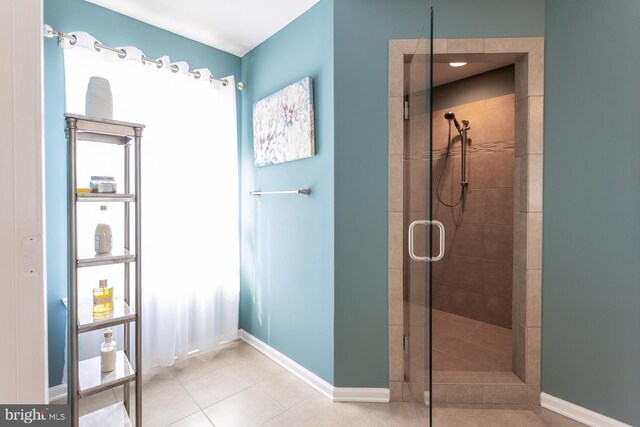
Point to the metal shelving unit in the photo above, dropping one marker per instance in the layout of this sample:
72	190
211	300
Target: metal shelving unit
84	376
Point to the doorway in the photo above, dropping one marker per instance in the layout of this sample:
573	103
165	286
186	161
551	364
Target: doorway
506	233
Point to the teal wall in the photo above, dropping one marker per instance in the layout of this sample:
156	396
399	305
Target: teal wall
287	241
362	32
115	30
591	253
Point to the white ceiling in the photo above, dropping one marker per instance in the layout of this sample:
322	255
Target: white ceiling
235	26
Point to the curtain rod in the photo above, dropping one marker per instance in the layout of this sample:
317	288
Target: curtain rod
50	33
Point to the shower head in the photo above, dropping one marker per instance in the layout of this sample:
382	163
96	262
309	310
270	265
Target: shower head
449	115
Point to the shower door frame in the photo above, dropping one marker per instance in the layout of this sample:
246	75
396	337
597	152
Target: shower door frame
528	57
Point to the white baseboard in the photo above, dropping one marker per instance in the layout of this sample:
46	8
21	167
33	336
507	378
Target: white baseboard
360	394
578	413
57	392
337	394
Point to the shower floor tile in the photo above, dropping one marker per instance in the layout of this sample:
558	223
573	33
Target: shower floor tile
462	344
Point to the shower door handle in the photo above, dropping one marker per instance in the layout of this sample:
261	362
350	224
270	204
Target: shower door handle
412	253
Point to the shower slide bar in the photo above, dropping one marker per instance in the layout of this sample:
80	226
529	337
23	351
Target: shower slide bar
302	191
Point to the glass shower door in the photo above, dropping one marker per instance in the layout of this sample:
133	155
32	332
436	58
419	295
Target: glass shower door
418	224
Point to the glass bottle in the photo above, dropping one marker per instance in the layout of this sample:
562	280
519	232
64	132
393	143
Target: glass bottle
108	352
103	239
102	299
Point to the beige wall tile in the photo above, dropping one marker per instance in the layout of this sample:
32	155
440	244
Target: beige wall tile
459	272
536	125
522	126
396	301
439	393
464	239
463	393
417	351
439	46
504	394
395	391
404	45
396	71
440	129
517	184
396	242
534	240
519	295
465	46
406	393
417	297
396	125
534	298
417	185
499	123
533	356
498	280
508	45
533	395
417	135
396	365
503	99
521	73
536	70
498	242
396	183
519	350
418	82
524	183
497	310
520	239
492	170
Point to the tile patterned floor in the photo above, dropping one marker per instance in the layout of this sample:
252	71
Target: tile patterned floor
238	386
462	344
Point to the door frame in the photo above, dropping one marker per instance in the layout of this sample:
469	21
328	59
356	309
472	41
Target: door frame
23	306
528	57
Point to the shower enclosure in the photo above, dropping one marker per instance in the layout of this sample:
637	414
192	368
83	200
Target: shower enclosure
465	329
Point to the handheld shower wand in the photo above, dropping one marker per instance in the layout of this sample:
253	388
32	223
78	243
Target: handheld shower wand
451	116
462	130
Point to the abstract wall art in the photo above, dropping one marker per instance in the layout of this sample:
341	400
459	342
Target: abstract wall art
283	125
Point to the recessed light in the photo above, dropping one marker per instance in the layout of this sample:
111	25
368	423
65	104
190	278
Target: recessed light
457	64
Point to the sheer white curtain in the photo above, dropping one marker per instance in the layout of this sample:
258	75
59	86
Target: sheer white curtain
190	259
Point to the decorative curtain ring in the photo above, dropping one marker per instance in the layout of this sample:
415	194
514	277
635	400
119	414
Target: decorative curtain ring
175	68
95	46
160	64
196	74
73	40
122	54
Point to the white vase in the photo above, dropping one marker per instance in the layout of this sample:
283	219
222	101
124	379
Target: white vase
99	102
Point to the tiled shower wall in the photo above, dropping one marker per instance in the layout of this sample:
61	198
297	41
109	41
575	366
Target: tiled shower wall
475	277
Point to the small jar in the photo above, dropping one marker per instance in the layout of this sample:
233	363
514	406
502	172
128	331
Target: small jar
108	351
102	184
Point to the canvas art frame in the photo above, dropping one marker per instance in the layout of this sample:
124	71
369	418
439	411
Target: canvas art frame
283	125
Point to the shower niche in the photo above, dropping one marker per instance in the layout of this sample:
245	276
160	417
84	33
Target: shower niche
466	142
